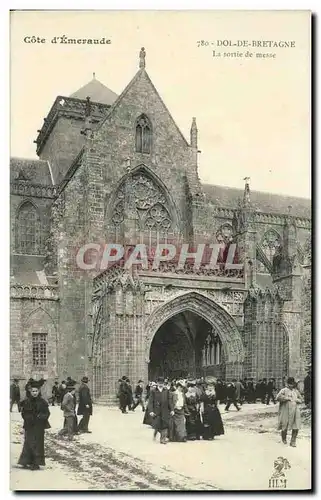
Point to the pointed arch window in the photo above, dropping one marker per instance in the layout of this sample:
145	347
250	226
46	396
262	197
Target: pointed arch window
271	244
143	135
212	350
28	230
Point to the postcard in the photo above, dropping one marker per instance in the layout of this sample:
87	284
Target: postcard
160	284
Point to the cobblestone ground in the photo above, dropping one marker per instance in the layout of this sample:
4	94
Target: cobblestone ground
121	455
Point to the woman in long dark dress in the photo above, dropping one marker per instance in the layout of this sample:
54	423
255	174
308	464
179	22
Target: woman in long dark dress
193	420
211	417
35	413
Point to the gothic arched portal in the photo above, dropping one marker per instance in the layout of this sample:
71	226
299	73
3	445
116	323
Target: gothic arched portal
209	331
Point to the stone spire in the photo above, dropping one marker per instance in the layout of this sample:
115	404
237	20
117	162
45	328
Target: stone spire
194	133
246	195
142	56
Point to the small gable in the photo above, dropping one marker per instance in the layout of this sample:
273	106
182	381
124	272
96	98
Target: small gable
140	98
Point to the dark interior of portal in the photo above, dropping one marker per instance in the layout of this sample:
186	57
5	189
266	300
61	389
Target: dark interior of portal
186	345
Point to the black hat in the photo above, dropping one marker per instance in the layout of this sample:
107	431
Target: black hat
124	378
140	381
85	379
160	379
36	384
71	384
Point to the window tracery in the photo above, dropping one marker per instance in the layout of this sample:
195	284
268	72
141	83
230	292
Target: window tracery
145	201
158	218
143	135
224	234
270	244
28	230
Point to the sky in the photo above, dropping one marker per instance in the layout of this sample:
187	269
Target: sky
253	114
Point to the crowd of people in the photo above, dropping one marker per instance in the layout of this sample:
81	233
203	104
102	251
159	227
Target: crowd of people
183	410
178	410
235	392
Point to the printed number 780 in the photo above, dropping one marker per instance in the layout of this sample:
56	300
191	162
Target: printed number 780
202	43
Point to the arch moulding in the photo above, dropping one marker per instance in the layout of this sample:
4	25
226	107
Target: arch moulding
206	308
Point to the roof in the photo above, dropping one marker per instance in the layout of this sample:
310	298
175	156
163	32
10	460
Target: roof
227	197
97	92
32	170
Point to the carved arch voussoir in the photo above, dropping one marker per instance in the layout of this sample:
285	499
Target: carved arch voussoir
206	308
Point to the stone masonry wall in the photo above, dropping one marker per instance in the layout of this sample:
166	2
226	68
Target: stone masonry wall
264	336
28	316
63	145
70	236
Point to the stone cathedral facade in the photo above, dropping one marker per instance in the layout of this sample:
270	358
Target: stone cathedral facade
116	169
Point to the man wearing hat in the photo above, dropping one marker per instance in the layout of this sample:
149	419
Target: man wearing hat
124	395
62	390
71	382
139	395
35	413
15	394
231	395
85	406
160	408
68	406
289	412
